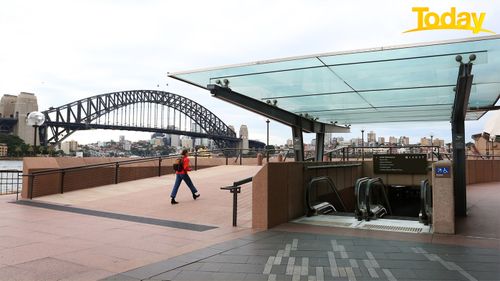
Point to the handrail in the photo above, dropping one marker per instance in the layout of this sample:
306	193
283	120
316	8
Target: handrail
235	189
333	166
425	215
360	183
371	183
332	186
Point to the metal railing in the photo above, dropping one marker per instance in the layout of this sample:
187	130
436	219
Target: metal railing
10	182
356	153
115	164
238	154
235	189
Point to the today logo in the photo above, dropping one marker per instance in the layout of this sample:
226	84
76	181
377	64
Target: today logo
448	20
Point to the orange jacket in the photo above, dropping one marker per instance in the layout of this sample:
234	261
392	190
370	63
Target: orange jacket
185	166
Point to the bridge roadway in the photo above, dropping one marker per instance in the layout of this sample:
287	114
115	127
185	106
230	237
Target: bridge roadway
130	231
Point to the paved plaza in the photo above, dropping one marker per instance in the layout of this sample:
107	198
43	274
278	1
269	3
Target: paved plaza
129	231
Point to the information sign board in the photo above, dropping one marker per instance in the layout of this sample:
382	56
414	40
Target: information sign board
400	164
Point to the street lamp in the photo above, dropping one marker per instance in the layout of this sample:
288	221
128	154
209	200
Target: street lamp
267	143
35	119
363	145
432	149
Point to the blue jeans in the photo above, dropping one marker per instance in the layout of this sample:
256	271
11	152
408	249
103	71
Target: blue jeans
187	180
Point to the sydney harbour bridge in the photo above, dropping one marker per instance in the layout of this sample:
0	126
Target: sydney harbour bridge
136	110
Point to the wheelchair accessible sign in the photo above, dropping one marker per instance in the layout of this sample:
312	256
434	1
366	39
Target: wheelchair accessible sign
442	172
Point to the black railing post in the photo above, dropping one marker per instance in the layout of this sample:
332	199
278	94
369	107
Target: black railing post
159	166
31	186
235	204
241	154
62	181
17	185
196	159
226	159
117	166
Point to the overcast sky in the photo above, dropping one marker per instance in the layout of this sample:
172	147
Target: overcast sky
63	51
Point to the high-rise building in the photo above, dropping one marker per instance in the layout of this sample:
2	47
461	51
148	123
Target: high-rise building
381	140
393	140
404	140
372	137
69	146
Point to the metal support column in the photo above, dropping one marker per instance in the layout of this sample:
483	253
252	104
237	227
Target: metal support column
462	92
298	143
320	146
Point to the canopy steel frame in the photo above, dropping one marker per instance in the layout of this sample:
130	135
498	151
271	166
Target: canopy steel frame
298	123
462	93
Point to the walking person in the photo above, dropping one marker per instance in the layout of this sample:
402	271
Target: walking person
182	175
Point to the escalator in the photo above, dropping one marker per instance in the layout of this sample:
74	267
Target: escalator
377	206
371	199
314	207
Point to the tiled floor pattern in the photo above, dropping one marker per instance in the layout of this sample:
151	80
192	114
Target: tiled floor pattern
274	255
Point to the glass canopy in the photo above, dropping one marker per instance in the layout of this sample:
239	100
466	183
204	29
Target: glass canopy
394	84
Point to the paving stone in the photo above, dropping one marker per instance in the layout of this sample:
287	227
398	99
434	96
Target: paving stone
228	276
154	269
170	275
256	277
120	277
231	259
428	274
256	259
278	269
242	268
211	267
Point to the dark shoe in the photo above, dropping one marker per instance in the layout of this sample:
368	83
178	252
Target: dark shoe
173	202
195	196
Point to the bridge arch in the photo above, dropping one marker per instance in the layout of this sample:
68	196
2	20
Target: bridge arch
135	110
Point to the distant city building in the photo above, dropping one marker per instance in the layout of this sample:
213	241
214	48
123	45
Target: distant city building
425	141
393	140
69	146
328	139
3	150
404	140
289	143
122	139
14	108
127	145
187	142
372	137
174	139
381	140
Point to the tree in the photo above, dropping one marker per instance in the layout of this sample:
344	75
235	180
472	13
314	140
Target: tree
12	142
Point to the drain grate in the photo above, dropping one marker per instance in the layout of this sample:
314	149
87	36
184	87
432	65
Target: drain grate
393	228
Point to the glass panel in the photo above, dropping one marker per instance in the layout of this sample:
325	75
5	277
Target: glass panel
484	94
400	73
415	97
379	85
287	83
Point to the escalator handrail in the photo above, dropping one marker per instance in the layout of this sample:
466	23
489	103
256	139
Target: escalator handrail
371	183
332	186
360	183
425	203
